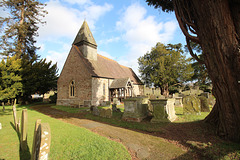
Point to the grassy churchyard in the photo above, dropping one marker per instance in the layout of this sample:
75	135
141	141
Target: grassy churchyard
185	138
67	141
187	131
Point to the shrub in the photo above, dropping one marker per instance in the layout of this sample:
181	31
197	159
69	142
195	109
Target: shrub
53	98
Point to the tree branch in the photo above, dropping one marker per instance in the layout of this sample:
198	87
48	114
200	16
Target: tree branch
191	52
183	24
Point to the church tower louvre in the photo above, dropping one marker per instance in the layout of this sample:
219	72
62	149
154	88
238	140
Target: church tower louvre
86	42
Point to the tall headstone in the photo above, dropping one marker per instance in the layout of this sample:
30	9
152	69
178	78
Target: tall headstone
204	104
23	137
163	110
38	122
15	118
191	105
42	142
135	109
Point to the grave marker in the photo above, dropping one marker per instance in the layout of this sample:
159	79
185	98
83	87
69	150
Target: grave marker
42	142
15	118
23	138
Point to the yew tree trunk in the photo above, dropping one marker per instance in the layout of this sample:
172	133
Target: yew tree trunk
218	30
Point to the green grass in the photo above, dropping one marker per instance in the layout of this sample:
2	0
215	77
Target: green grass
222	150
188	118
67	141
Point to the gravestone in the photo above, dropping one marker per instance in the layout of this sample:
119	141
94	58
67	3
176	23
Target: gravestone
135	109
95	111
42	142
163	110
15	118
105	112
178	102
116	101
38	122
191	105
0	125
204	104
23	137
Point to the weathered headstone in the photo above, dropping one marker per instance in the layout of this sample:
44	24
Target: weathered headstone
105	112
191	105
0	125
116	101
42	142
135	109
23	137
178	102
163	110
15	118
204	104
95	111
38	122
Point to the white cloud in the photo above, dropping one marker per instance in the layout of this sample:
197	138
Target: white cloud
110	40
105	54
80	2
64	19
142	32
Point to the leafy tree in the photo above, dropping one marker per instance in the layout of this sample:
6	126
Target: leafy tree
10	79
164	67
215	25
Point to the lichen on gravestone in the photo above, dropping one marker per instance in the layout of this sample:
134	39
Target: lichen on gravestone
191	105
204	104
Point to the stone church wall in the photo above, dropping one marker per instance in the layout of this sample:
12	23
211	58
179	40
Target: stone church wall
82	80
98	90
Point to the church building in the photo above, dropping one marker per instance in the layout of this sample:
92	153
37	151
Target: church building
88	78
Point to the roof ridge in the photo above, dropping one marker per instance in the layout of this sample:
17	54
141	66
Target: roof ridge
108	58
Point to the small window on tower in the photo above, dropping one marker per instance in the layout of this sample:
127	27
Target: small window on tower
72	88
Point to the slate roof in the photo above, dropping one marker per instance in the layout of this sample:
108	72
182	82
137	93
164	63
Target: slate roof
108	68
120	83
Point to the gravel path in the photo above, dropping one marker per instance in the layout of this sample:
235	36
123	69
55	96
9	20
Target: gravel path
139	145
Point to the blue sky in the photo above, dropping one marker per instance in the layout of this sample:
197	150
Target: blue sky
124	30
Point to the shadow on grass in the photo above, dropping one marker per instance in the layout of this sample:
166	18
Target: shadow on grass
198	136
23	154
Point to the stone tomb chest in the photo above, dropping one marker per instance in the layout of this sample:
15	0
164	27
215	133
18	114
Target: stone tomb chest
163	110
135	109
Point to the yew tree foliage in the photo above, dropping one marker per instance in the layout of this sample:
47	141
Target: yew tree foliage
10	78
164	66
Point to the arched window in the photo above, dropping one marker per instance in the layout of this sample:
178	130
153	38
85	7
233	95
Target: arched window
72	88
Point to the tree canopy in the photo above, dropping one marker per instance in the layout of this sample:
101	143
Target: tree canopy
18	40
164	66
10	78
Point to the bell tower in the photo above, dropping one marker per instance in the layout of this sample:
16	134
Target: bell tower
86	42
